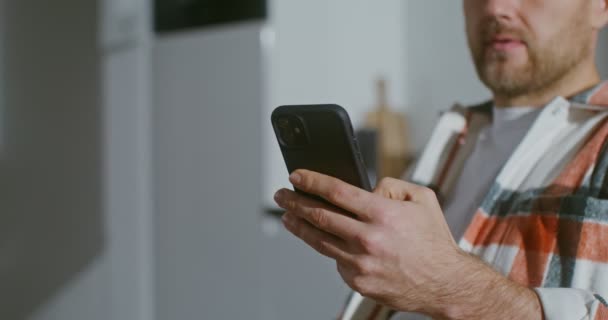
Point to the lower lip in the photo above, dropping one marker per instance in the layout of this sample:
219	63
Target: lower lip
506	45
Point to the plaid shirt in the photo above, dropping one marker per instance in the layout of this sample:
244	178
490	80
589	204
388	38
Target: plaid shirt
544	222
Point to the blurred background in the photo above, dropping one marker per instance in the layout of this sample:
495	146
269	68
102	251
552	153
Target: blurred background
137	160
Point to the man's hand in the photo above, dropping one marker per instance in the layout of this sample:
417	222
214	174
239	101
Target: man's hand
392	245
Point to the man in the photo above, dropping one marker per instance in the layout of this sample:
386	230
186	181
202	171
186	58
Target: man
532	161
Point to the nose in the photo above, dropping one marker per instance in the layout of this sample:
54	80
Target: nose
501	9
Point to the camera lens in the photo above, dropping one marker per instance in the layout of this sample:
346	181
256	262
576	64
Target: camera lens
290	130
289	137
283	123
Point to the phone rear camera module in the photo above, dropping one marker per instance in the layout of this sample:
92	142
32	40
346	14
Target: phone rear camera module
291	131
283	123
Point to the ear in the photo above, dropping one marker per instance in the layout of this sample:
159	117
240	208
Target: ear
599	13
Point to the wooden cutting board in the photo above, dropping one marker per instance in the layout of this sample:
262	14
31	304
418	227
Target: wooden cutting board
393	143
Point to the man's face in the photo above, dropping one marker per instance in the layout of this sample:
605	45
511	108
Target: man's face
521	46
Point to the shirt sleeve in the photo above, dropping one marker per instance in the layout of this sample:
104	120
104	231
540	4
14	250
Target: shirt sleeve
572	304
360	308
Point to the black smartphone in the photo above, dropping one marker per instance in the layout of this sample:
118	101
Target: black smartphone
320	138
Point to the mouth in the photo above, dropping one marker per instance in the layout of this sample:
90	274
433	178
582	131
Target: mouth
505	43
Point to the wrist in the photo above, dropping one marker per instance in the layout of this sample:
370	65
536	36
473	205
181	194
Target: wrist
459	280
473	290
450	283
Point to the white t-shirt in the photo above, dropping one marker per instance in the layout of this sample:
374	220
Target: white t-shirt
495	144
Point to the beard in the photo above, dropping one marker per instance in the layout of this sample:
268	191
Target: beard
546	63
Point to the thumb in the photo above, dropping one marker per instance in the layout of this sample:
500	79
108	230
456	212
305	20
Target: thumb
405	191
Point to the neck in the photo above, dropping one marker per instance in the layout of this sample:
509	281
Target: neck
581	78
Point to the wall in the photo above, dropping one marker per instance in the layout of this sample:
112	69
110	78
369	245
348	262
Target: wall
51	225
207	98
126	38
440	71
77	139
128	186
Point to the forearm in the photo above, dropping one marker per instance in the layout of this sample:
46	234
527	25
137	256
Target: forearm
474	290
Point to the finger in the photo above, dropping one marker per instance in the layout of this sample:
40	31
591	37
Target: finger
324	243
320	215
405	191
348	197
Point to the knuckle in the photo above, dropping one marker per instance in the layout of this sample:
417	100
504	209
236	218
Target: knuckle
370	242
336	194
428	193
382	216
319	218
388	181
323	248
311	181
384	219
316	244
384	182
307	183
359	239
363	267
291	205
384	186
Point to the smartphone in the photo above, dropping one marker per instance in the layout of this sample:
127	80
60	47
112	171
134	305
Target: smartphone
320	138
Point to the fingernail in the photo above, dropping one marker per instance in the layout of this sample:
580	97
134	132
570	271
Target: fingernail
295	178
278	196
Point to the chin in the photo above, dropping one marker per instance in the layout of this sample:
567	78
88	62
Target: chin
508	69
506	81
